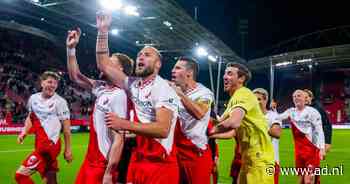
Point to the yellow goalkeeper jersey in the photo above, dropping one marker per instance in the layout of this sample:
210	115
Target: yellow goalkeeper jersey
255	143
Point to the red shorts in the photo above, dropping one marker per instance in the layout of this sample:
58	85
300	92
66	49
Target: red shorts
311	161
89	174
198	170
44	159
146	172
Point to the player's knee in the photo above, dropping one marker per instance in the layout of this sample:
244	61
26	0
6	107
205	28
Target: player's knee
23	179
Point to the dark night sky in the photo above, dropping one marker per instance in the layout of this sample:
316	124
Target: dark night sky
270	21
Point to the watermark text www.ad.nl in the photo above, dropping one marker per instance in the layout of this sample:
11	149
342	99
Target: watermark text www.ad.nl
318	171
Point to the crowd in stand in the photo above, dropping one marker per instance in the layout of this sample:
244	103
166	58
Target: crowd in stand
20	66
21	63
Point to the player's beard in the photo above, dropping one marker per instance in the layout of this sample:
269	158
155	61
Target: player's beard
145	72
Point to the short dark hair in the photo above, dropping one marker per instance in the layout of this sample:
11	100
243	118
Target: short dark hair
191	64
48	74
242	71
126	62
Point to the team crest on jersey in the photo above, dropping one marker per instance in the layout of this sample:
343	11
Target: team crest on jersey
32	159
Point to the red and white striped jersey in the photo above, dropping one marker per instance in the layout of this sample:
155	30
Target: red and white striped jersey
308	121
147	96
49	113
193	129
108	99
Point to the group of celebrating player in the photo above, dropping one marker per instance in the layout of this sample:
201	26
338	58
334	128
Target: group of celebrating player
170	120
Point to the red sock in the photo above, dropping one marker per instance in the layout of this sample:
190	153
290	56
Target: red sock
23	179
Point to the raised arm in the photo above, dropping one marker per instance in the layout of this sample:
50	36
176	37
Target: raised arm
73	68
103	22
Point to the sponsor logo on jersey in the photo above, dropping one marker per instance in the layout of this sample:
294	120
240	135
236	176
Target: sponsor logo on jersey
148	95
106	101
51	105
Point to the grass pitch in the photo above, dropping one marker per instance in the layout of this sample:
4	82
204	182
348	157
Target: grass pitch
12	154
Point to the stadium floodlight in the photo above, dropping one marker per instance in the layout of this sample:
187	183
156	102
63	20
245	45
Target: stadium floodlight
167	23
201	51
171	28
131	10
285	63
111	5
304	60
35	1
212	58
115	32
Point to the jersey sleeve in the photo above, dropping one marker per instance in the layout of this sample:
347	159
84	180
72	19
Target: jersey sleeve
63	110
206	97
119	105
165	96
29	104
319	134
243	99
283	116
275	119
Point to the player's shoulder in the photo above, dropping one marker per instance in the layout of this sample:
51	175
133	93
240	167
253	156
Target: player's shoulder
312	110
118	92
204	89
271	113
59	98
35	95
160	84
160	81
244	91
291	109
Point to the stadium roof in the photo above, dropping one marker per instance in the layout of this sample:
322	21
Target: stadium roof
150	27
334	56
322	48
